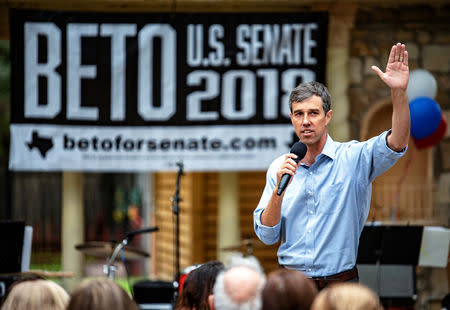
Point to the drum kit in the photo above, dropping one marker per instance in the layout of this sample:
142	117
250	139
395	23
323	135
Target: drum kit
150	293
153	290
111	250
142	294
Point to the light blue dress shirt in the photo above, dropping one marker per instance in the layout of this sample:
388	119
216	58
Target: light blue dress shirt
325	207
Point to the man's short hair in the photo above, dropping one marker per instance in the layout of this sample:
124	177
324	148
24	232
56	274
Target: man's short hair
306	90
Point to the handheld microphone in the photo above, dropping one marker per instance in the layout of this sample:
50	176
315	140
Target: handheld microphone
140	231
299	149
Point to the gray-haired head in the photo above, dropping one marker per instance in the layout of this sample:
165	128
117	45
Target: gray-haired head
306	90
240	286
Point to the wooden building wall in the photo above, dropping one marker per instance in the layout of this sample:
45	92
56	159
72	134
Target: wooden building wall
198	220
197	217
252	185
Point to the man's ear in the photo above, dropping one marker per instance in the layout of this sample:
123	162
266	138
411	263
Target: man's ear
329	115
211	302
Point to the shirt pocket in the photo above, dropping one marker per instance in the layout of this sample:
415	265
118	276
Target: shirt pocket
331	200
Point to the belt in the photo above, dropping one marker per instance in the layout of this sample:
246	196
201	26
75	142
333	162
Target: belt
321	282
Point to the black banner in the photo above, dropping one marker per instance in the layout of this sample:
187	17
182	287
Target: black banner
138	92
153	69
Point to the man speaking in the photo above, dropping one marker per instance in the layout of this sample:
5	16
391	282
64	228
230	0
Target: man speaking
321	213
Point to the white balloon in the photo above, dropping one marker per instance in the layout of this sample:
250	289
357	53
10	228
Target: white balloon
421	84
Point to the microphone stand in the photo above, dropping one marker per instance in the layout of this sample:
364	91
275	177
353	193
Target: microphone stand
176	211
110	269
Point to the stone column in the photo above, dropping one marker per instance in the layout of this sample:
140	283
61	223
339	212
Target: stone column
72	227
341	17
228	233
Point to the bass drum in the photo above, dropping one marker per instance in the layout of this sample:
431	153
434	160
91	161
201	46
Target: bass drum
184	274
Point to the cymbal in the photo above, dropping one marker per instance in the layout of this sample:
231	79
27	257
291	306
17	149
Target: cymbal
105	249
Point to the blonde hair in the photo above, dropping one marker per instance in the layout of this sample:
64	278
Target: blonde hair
100	294
347	296
36	295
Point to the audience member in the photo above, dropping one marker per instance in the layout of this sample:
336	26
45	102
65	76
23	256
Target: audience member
445	303
100	294
35	295
198	286
239	287
347	296
288	289
20	279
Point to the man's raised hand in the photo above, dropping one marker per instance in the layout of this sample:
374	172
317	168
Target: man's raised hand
397	71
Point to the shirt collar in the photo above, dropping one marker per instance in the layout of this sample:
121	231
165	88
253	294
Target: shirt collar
329	149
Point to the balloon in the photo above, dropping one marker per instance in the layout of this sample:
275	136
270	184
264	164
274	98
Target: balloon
425	117
421	84
435	137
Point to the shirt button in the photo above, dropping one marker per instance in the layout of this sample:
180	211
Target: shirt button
309	192
310	212
309	269
310	173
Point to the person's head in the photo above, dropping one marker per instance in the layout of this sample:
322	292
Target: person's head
100	294
36	294
445	303
288	289
305	91
198	286
347	296
310	112
31	277
239	287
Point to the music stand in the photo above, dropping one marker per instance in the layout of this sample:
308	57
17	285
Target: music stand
387	256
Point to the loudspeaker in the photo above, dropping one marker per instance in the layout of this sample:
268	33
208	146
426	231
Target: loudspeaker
153	292
11	240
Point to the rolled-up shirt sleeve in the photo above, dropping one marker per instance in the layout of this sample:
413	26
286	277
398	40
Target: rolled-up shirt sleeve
267	234
383	156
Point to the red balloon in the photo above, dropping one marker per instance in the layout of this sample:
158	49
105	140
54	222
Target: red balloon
435	137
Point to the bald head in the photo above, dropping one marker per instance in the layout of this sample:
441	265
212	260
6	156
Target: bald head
241	283
239	287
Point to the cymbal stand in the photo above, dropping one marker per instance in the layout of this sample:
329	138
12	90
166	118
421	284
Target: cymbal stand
249	247
110	269
176	211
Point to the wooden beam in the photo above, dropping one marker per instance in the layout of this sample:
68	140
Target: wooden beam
163	5
72	227
201	5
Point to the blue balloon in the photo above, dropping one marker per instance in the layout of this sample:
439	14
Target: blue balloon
425	117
